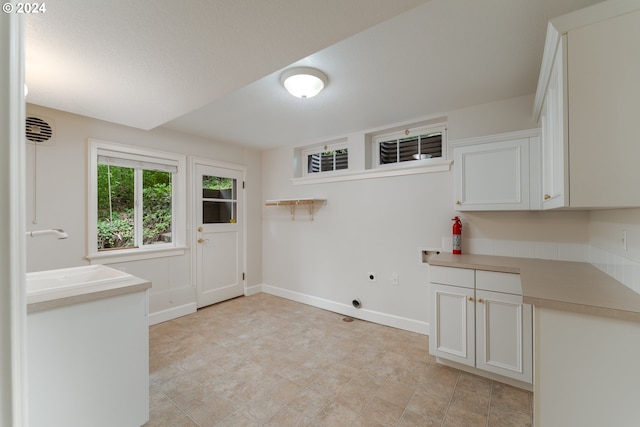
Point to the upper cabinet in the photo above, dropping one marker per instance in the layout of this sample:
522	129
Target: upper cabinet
498	172
553	117
588	104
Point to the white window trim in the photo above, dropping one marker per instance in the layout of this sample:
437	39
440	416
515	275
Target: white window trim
321	149
179	192
434	165
377	139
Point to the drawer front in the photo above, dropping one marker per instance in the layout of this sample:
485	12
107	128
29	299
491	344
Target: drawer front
498	282
462	277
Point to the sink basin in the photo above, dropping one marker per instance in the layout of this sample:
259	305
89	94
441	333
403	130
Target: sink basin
51	281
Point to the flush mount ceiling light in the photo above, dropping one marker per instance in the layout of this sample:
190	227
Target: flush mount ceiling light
304	82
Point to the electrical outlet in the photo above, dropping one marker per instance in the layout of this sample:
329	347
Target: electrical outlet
371	277
395	280
623	240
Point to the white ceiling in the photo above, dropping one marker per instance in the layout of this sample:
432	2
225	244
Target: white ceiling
212	67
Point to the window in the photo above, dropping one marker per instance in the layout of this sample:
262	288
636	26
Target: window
409	145
219	200
326	159
135	200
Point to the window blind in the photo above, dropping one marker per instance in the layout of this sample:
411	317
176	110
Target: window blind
134	161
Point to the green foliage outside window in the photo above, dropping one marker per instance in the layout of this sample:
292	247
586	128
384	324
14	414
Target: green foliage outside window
116	207
217	183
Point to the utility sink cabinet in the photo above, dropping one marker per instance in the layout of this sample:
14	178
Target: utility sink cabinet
478	319
88	351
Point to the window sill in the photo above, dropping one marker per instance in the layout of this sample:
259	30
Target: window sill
125	255
433	166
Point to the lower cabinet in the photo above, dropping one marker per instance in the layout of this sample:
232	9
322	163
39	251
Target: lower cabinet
478	319
89	363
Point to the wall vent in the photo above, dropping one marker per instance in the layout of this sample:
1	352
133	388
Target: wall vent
39	130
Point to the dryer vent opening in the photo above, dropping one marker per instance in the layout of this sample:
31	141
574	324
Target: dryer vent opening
39	130
356	303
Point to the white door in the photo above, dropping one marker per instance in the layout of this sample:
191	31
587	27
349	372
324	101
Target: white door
218	233
453	332
504	335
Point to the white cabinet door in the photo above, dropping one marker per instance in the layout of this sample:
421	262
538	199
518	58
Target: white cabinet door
588	98
452	333
492	176
504	335
555	177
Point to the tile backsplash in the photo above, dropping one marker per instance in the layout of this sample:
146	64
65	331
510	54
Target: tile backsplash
624	270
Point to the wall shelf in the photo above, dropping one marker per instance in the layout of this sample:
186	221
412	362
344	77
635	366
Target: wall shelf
310	204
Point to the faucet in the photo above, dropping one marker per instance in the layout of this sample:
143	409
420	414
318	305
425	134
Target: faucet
58	232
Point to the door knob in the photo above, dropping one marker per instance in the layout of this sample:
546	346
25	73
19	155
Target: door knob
201	240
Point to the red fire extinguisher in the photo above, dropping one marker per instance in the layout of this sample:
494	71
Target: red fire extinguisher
457	235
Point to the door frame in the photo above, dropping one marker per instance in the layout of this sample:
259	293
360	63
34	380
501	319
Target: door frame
193	232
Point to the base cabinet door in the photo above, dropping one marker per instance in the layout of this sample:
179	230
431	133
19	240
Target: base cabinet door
453	323
504	335
478	319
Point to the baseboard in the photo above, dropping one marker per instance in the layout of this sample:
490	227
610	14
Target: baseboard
252	290
348	310
172	313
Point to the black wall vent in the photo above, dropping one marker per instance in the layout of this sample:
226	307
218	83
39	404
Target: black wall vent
39	131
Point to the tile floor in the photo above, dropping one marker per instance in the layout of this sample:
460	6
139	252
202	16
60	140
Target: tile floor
268	361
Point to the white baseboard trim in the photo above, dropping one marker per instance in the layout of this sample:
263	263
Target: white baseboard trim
348	310
252	290
172	313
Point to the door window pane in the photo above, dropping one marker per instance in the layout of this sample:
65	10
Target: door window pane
215	187
218	212
219	200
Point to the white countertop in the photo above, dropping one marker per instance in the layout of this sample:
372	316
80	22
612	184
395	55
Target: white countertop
563	285
79	295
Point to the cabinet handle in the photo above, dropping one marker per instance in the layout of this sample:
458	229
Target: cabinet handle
470	299
547	197
458	202
480	300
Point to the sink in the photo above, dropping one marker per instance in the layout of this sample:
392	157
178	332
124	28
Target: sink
51	281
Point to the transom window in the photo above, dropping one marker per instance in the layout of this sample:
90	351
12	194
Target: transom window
326	159
134	199
409	145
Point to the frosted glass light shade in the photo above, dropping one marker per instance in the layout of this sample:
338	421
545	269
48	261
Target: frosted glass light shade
304	82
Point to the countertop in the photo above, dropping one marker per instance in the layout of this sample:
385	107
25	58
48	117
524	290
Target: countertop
562	285
75	296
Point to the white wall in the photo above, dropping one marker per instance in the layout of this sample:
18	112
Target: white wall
606	227
377	225
60	175
374	225
606	250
